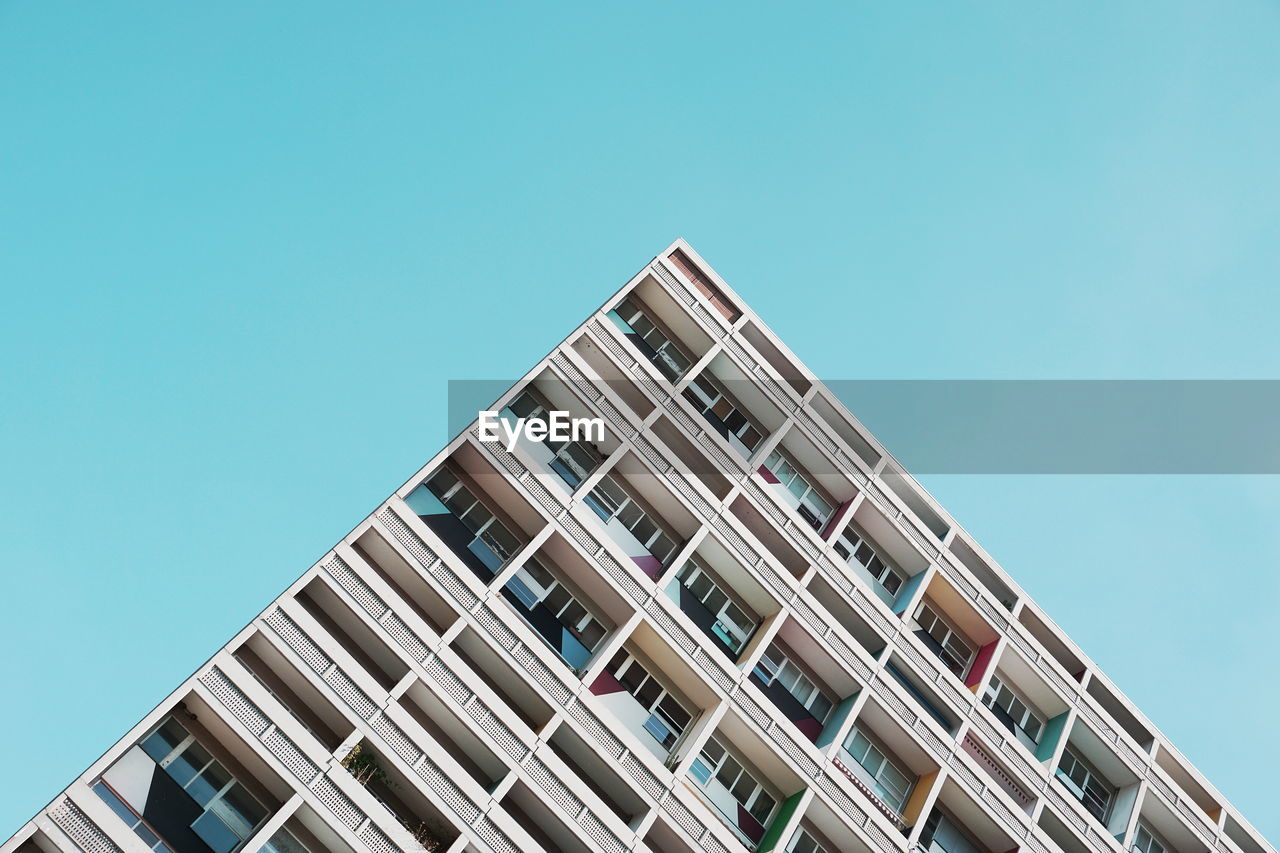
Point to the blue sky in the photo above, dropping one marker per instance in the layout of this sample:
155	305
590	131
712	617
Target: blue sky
243	247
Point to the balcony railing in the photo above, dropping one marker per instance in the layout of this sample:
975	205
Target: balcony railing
859	782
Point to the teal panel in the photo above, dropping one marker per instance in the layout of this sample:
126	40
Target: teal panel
1052	734
908	590
839	714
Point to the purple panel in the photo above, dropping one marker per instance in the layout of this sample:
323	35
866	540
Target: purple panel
809	727
605	684
749	825
768	476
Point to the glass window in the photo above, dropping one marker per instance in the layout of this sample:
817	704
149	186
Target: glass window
890	782
1088	786
776	666
284	841
951	649
164	739
215	833
855	550
1147	841
803	842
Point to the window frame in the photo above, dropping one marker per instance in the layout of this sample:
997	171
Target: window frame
774	673
851	541
774	463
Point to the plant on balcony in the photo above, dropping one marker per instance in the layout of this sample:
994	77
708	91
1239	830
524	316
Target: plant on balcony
363	765
425	834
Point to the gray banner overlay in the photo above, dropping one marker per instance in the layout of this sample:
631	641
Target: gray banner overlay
977	426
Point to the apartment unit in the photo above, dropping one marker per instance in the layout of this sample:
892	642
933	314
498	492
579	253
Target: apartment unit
733	623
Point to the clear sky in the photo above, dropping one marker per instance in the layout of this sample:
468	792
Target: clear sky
243	246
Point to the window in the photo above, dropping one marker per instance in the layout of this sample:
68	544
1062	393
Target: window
230	811
1016	714
1146	841
942	834
1088	786
803	842
856	551
667	717
131	818
284	841
813	507
492	543
533	584
732	624
664	354
890	782
572	460
776	666
714	404
947	644
610	501
715	766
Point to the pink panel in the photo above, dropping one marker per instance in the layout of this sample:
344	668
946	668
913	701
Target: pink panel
649	565
980	664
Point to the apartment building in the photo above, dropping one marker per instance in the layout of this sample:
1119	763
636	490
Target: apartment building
732	623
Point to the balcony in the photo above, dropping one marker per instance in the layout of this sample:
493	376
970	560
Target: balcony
713	606
641	698
877	772
399	796
704	285
733	788
182	789
475	511
878	554
640	515
572	461
886	764
953	631
560	614
659	329
943	833
733	406
793	688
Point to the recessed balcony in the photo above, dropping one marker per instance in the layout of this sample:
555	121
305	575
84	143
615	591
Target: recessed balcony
645	701
1024	705
953	631
733	406
475	511
399	796
878	554
806	482
186	789
958	825
720	597
742	779
640	515
1093	775
543	593
800	678
886	765
659	330
571	461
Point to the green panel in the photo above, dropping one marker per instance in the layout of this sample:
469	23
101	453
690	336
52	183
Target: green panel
908	590
1052	734
839	714
779	823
